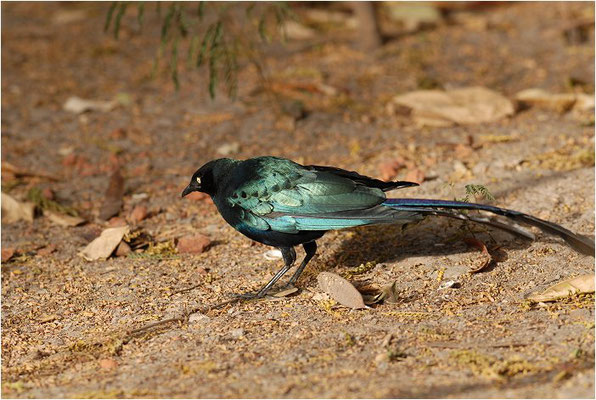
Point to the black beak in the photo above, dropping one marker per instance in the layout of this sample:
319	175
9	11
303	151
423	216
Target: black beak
189	189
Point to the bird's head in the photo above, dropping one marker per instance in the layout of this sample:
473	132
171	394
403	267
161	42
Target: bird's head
205	178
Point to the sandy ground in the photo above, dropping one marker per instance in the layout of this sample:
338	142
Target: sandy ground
65	321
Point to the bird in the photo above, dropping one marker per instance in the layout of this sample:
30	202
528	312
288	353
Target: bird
280	203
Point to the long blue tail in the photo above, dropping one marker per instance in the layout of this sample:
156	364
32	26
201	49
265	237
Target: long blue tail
447	208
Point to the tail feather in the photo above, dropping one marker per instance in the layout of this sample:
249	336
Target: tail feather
447	208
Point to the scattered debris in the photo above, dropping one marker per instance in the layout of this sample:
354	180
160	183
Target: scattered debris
62	17
413	16
388	294
486	257
274	254
116	221
198	317
449	285
63	219
237	333
286	292
8	168
195	244
104	245
113	196
465	106
340	290
139	239
7	253
47	318
77	105
47	250
415	175
560	102
45	202
227	149
123	249
296	31
108	363
579	285
196	196
138	214
389	168
14	210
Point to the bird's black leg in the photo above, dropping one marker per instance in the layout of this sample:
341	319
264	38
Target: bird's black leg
310	248
289	255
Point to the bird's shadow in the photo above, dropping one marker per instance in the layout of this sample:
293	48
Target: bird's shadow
431	237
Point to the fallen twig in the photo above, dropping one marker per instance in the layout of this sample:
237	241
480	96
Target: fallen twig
182	318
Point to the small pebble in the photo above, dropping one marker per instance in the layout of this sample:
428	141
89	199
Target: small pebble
195	244
108	363
449	285
7	253
138	214
237	333
123	249
198	317
116	221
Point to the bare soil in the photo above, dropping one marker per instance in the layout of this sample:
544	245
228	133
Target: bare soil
65	321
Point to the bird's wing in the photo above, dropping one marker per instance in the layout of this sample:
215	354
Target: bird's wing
365	180
289	197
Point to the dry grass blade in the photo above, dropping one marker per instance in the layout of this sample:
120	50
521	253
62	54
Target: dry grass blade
577	285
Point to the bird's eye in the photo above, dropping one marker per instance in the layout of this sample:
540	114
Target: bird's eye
198	180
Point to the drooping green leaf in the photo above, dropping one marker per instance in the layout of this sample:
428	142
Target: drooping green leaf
118	19
140	13
204	44
201	10
109	15
167	22
174	64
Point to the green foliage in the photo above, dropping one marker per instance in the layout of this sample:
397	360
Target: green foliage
41	202
212	34
477	190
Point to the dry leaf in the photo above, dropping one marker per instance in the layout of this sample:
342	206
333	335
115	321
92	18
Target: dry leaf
104	245
460	106
580	284
560	102
77	105
63	219
14	210
486	257
388	293
113	196
340	290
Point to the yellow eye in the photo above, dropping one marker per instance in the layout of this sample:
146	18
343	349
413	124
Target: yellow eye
198	180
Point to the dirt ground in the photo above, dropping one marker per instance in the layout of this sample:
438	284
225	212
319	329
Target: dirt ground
65	321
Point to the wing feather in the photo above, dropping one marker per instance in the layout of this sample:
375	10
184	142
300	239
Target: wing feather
282	195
